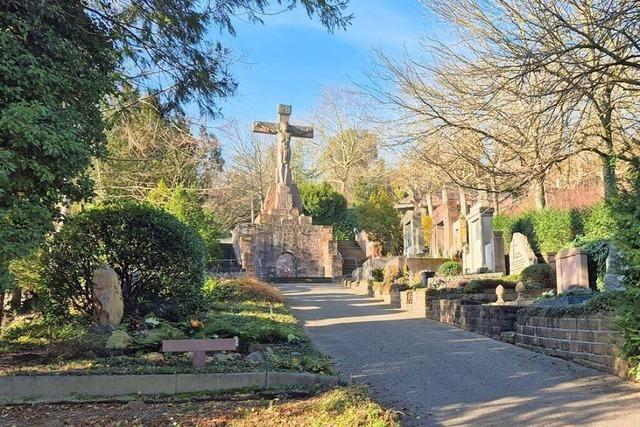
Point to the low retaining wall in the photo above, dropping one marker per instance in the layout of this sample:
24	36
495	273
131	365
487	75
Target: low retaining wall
489	320
415	265
459	281
589	340
52	387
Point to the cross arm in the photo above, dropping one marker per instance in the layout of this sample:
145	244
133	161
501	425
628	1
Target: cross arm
301	131
265	127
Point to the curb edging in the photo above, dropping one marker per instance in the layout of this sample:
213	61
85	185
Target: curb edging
25	387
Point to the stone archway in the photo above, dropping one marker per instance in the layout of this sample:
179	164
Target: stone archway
286	265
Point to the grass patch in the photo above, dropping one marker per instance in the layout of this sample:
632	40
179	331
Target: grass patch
341	407
338	407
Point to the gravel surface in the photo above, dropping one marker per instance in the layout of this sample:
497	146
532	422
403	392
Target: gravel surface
437	374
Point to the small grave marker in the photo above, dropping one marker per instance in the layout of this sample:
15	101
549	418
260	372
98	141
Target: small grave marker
199	348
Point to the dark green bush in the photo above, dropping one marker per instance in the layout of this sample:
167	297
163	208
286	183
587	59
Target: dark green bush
555	229
503	223
598	251
159	261
450	268
626	213
599	222
481	285
547	230
377	274
601	301
343	229
524	224
539	274
322	202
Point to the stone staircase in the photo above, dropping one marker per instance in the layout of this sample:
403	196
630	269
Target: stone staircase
352	256
228	263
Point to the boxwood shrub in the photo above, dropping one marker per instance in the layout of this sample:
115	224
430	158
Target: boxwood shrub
480	285
159	260
539	274
450	268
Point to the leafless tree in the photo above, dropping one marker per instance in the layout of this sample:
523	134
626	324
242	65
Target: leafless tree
583	55
346	144
245	181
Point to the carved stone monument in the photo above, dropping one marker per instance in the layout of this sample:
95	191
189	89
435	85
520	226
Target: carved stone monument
283	242
108	306
484	251
412	232
521	255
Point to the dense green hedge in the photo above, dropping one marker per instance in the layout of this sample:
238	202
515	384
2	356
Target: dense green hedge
159	260
626	213
551	230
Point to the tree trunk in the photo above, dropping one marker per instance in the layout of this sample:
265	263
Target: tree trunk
430	204
540	194
609	159
609	176
2	297
463	201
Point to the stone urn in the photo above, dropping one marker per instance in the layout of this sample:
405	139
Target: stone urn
520	289
500	295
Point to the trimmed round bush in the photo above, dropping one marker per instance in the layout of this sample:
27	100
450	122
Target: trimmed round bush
159	260
450	268
481	285
539	274
377	274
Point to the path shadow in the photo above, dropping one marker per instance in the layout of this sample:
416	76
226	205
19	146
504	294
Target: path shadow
438	374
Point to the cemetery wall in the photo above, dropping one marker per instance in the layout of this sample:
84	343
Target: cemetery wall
489	320
415	265
587	339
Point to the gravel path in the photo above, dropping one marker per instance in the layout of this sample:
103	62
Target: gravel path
436	374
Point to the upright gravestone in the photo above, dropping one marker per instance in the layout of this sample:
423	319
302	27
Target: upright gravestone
484	251
108	306
614	265
521	255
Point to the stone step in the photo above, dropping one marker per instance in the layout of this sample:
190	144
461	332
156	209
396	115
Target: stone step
301	280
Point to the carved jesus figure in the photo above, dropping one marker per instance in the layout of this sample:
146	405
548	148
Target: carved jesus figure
284	155
285	131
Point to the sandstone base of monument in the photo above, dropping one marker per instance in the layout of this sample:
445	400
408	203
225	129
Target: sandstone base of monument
287	245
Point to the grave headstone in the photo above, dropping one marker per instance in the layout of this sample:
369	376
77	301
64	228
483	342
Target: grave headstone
572	269
108	306
521	255
613	277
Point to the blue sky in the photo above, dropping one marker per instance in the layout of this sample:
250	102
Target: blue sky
290	58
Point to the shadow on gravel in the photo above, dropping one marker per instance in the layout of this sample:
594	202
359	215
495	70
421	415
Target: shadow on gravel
438	374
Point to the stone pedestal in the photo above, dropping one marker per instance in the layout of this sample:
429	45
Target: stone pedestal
572	269
287	246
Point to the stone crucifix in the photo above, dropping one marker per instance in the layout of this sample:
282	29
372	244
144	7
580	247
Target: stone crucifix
285	131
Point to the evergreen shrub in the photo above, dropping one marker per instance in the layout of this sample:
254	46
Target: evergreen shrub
539	274
450	268
159	260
